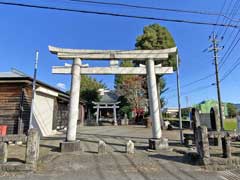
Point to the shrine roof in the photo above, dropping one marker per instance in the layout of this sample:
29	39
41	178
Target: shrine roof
109	97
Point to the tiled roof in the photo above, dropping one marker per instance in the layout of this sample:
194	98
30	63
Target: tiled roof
109	97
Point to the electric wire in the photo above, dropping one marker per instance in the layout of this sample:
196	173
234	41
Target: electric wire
219	31
200	88
193	82
234	66
234	12
229	51
117	14
221	10
156	8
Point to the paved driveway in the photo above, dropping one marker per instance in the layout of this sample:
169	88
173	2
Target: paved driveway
116	164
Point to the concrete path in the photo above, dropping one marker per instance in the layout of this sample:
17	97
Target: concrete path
116	164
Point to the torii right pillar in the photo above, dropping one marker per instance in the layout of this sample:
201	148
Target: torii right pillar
157	141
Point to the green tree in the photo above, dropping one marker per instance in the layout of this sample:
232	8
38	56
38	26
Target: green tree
87	82
88	91
232	110
157	37
124	106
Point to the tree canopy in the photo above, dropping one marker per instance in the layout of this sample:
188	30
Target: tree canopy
130	89
232	110
157	37
88	90
87	82
128	86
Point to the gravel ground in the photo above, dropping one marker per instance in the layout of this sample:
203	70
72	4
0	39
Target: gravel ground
116	164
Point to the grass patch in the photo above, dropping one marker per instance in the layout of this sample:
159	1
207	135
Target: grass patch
230	124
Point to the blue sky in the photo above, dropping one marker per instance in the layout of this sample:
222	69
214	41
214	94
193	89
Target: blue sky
23	30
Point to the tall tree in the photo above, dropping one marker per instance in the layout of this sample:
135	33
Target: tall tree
157	37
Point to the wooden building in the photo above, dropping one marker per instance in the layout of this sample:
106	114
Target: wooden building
50	105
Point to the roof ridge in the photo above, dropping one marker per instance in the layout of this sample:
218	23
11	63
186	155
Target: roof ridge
18	72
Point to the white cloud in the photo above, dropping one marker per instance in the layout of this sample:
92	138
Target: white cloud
67	64
61	86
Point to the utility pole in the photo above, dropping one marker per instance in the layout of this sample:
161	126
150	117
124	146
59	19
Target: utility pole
187	101
215	48
179	100
33	90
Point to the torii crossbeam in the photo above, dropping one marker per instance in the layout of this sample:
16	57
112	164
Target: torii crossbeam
76	69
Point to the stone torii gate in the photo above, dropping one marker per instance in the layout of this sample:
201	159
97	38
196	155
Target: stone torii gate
99	106
77	69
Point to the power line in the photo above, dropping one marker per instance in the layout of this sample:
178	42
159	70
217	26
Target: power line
200	88
155	8
221	10
193	82
224	19
234	12
232	46
235	65
229	51
117	15
229	36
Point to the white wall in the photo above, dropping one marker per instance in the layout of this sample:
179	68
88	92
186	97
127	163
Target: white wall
43	113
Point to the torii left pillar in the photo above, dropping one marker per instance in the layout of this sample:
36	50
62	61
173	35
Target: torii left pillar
71	144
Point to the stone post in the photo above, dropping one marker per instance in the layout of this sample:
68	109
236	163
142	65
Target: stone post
148	122
130	147
153	99
216	125
102	147
74	100
195	124
3	152
125	119
32	150
115	115
226	146
238	124
97	115
202	142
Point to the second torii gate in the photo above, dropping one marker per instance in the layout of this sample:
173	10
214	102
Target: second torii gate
77	69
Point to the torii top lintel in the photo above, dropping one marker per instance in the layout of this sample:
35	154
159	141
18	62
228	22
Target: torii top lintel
86	54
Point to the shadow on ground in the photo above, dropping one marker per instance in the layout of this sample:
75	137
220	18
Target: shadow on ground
179	159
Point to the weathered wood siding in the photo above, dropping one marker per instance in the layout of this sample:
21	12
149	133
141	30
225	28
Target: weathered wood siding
27	100
62	115
12	96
